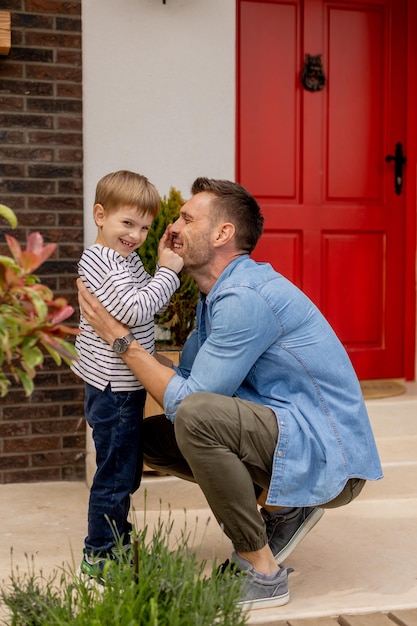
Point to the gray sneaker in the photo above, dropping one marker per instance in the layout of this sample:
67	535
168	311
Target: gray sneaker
285	531
258	593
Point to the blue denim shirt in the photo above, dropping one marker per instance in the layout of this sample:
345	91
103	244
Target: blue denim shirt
259	338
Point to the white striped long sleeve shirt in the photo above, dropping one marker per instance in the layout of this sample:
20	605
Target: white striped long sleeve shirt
133	297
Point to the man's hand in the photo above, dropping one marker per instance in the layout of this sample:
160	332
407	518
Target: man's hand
94	312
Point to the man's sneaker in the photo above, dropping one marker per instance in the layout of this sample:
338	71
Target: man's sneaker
257	592
285	531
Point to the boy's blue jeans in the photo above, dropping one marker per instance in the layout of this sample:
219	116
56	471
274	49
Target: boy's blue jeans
116	419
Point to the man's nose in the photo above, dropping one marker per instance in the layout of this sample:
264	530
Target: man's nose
174	227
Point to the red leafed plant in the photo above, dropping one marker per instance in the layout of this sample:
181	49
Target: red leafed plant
30	318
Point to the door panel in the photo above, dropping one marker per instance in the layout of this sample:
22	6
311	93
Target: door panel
271	40
355	120
316	161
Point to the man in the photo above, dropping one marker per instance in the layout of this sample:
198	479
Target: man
265	406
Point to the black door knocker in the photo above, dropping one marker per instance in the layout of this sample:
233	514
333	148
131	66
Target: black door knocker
312	77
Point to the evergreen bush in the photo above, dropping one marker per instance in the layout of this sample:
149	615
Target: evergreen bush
179	317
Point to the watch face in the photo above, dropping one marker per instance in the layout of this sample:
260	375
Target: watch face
120	345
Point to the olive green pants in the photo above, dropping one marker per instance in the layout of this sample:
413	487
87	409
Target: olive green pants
226	445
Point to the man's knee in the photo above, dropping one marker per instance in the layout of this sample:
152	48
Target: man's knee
190	418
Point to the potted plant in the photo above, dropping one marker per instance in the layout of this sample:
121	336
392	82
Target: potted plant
30	318
179	317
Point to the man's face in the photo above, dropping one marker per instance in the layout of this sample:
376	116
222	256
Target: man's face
192	233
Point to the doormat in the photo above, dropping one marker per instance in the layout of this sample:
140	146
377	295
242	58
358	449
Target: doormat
381	388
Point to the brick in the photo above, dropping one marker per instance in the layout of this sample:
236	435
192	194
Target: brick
31	475
26	154
26	444
28	20
12	5
69	57
41	170
14	461
51	459
31	55
19	410
55	203
69	90
53	106
52	40
27	87
11	136
55	395
45	427
69	24
72	251
71	123
68	187
74	441
11	169
15	429
11	70
17	37
74	409
70	219
71	139
54	7
55	73
27	186
43	219
24	120
14	202
11	104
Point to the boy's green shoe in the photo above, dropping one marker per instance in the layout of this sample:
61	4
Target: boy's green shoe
93	567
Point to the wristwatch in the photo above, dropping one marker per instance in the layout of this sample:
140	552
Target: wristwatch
121	344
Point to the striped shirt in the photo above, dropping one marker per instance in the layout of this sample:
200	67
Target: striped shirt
133	297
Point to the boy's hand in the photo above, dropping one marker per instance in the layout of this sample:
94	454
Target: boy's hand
166	255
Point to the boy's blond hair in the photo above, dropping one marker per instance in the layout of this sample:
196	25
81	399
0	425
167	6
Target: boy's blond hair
124	188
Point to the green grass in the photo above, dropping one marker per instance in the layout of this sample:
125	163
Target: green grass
163	587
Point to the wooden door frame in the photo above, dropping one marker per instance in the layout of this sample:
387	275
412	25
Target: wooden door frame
410	304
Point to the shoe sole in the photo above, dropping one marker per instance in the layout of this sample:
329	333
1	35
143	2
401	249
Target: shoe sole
265	603
305	528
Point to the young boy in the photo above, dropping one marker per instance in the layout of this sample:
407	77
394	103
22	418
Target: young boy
125	206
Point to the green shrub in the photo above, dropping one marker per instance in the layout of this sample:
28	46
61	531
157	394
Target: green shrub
30	318
179	317
165	588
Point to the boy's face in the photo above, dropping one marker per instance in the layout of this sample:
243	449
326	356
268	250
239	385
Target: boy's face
122	230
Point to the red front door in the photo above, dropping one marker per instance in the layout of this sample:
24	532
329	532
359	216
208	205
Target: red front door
316	161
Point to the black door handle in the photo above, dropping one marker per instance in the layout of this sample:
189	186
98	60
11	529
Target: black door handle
400	160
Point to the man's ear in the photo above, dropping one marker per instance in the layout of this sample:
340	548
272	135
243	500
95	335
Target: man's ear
99	214
224	234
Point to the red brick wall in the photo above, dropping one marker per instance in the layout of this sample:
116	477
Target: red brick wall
41	158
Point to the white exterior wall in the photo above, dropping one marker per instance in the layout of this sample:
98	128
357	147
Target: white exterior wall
159	92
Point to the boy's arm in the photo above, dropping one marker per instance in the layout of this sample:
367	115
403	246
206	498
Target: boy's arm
112	283
148	370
